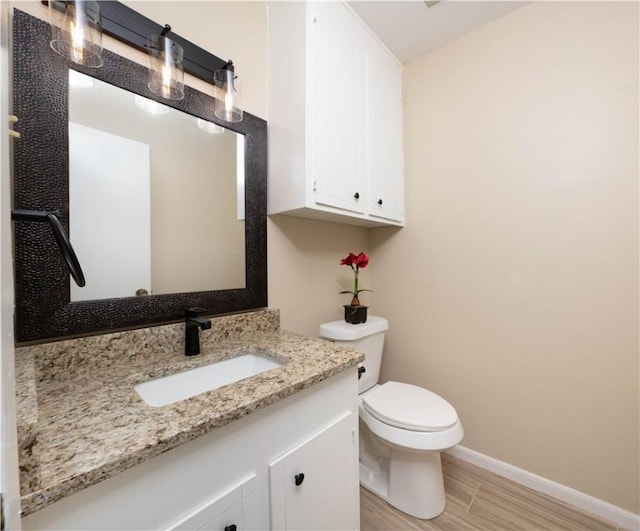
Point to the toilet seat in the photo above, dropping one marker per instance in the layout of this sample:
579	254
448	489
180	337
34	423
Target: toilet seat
428	441
409	407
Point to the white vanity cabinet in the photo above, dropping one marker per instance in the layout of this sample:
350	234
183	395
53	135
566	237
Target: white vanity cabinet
335	117
224	478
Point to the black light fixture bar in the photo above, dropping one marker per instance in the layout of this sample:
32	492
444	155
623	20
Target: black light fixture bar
128	26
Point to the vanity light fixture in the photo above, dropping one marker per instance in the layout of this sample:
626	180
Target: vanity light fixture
166	70
227	100
78	37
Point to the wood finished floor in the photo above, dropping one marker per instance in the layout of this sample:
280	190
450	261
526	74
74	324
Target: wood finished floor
482	501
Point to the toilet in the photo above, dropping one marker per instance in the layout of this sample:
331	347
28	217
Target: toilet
403	427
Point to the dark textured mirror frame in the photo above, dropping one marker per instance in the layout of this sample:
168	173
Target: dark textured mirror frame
40	182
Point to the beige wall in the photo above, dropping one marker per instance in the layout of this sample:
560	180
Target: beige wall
305	277
513	290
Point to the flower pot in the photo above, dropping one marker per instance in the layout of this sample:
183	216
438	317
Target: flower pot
355	314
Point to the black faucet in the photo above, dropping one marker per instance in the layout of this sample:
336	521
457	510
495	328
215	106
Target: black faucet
193	322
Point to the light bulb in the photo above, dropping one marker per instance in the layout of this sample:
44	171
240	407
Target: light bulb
77	42
166	79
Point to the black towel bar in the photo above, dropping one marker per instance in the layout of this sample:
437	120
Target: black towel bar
59	234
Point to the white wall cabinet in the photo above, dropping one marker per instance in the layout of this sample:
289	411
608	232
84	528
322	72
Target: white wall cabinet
335	117
222	479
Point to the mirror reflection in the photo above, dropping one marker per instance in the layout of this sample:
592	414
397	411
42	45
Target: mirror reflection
156	196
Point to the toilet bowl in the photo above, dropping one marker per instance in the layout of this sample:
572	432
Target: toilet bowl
403	428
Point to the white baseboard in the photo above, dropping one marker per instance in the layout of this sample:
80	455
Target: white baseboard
594	506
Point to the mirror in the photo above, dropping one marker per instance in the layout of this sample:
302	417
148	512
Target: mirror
166	181
46	105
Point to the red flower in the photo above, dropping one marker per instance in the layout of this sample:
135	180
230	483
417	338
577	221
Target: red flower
356	262
359	261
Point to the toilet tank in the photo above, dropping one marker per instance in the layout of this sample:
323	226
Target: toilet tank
367	337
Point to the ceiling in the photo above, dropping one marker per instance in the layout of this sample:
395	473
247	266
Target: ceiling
410	28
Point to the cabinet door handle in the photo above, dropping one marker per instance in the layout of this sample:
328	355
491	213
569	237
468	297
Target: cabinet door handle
232	527
361	371
356	195
380	202
299	479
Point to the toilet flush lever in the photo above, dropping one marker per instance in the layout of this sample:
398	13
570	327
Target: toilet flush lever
361	370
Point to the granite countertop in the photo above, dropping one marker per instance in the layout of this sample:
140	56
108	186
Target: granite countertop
80	420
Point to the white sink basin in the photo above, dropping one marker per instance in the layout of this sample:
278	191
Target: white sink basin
183	385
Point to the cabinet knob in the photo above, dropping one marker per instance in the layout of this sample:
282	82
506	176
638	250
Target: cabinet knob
299	479
356	195
380	202
361	371
232	527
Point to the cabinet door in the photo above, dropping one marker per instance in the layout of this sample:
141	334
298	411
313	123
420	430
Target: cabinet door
385	130
315	485
337	87
234	509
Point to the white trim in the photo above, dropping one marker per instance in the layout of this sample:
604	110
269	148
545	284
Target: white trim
9	475
594	506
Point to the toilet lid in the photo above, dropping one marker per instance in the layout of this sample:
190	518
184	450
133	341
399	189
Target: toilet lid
409	407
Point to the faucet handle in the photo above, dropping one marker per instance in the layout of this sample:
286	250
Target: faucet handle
194	311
